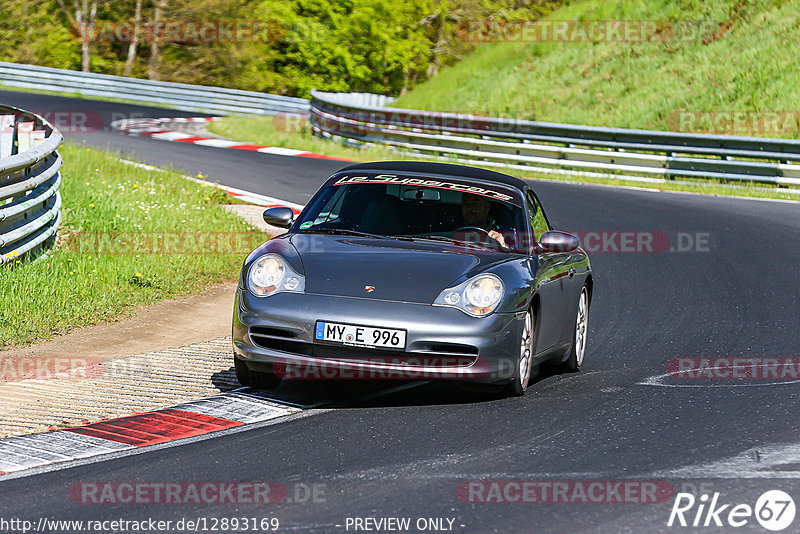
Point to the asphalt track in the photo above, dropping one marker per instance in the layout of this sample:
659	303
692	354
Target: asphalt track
405	453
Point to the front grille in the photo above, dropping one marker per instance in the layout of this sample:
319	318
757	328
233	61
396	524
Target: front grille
432	355
454	349
266	335
271	331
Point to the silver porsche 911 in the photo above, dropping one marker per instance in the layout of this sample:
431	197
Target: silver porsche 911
414	271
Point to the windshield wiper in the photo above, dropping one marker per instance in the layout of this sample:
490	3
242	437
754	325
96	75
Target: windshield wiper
425	236
342	231
438	238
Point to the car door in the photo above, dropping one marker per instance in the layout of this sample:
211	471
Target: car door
551	275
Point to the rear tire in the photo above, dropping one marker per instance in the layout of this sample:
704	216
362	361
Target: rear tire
522	375
254	379
578	350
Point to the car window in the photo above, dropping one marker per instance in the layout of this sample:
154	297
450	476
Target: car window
536	217
332	207
422	208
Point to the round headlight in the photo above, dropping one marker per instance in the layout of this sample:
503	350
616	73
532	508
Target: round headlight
478	296
270	274
266	274
483	293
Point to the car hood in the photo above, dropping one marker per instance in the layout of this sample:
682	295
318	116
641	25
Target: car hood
397	270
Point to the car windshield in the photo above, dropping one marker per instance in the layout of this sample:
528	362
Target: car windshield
465	213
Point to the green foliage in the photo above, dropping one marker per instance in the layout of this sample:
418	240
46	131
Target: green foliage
34	31
732	56
381	46
360	45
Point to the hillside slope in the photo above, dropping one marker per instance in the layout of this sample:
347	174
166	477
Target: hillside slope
731	55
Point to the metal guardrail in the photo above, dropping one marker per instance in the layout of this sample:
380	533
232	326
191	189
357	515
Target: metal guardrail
181	96
537	146
360	100
559	148
30	203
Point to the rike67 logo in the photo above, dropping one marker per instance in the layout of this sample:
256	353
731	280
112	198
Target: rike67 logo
774	510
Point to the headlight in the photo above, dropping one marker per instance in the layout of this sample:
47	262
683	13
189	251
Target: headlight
478	296
271	274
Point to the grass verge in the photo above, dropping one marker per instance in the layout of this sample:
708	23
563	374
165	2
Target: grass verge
129	237
281	132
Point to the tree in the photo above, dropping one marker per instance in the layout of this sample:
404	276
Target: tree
380	46
137	19
156	35
83	22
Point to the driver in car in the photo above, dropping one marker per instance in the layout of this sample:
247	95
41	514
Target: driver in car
475	213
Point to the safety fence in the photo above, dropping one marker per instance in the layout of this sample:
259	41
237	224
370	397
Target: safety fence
30	203
512	143
559	148
181	96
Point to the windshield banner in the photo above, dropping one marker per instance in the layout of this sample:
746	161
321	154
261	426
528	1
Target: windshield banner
453	185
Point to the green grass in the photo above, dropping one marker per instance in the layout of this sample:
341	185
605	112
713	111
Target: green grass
271	132
95	273
749	64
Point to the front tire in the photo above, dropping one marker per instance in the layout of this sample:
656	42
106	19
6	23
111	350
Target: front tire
254	379
522	375
578	350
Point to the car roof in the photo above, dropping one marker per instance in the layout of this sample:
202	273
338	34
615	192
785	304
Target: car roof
438	169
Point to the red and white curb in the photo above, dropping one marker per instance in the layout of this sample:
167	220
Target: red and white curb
189	419
159	129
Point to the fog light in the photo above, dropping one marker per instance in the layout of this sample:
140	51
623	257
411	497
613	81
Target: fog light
291	283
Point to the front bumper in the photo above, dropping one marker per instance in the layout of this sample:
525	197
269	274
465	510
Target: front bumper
277	333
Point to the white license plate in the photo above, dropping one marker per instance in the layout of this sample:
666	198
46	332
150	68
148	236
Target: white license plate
360	336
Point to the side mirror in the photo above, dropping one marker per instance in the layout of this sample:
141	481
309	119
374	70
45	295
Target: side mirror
555	241
280	216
